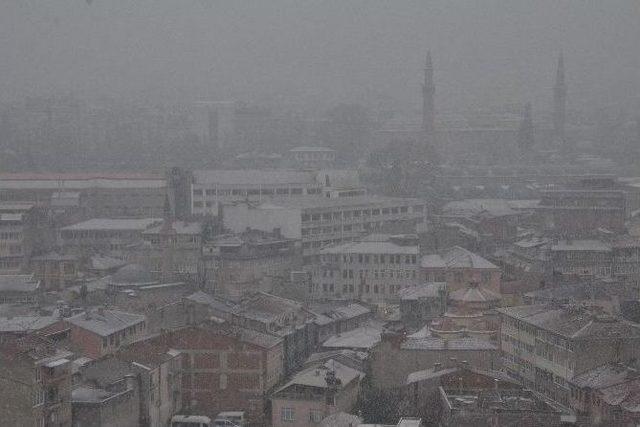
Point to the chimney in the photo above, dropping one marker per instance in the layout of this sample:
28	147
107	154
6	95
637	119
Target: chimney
130	381
87	315
101	311
453	362
437	366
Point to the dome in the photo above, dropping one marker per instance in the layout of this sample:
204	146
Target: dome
132	273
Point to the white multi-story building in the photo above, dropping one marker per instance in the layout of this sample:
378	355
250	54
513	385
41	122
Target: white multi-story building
320	221
211	187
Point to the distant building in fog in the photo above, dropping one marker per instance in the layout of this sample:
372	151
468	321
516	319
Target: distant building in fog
104	194
322	221
311	158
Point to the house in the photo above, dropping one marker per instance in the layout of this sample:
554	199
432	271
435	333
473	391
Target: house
315	393
114	404
249	261
35	383
55	271
138	386
459	267
224	367
397	355
99	332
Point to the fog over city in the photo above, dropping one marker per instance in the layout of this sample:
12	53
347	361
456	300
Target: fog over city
289	213
307	53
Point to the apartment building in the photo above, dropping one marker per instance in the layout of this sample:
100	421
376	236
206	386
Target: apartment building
35	383
210	188
23	231
370	271
545	346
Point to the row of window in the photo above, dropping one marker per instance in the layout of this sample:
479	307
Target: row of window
289	415
377	259
362	288
380	274
243	192
348	214
114	339
10	235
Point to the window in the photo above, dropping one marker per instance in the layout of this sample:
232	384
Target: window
315	416
287	414
223	381
38	397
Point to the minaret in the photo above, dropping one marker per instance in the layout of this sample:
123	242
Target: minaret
525	133
428	91
560	105
167	238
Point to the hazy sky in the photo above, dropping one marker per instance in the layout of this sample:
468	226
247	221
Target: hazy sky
306	51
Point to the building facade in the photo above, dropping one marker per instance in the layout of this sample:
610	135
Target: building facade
544	347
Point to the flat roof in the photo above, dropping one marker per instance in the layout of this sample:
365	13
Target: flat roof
114	224
78	181
253	177
106	322
371	248
18	283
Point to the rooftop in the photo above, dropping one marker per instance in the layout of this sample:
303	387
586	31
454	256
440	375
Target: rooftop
474	294
91	395
573	322
437	344
75	181
456	257
138	224
605	376
253	177
581	245
505	400
180	227
105	322
316	376
266	307
371	248
364	337
493	207
26	323
18	283
312	149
